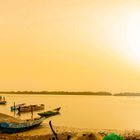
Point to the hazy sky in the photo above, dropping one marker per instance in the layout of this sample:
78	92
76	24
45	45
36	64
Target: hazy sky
70	45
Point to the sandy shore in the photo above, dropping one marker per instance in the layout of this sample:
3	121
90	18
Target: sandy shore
43	132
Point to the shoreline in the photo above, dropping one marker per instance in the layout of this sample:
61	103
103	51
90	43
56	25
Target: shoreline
43	132
67	93
54	94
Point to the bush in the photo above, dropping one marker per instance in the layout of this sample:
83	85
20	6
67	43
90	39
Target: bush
113	137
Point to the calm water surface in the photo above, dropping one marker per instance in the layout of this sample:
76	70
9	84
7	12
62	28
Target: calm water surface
101	112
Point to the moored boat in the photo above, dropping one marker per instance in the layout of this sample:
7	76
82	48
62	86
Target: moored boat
57	109
3	102
10	124
31	108
15	107
50	113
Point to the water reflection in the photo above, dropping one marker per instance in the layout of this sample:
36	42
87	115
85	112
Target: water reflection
83	111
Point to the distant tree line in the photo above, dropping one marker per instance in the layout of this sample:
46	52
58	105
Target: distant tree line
57	92
72	93
127	94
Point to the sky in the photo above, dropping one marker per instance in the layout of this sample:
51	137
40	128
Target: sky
70	45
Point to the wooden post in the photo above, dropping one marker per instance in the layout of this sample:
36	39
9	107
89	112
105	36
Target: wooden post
14	109
55	134
19	111
14	105
32	112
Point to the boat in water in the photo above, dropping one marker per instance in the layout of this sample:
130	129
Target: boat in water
15	107
57	109
2	100
50	113
9	124
31	108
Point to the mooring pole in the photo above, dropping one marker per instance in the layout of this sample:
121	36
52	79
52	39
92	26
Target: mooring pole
55	134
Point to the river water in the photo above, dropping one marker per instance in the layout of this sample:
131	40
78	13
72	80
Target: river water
81	111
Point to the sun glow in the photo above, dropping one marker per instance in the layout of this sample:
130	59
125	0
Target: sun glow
133	37
125	36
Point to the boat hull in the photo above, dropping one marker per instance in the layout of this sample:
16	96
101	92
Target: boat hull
3	102
50	113
16	130
31	108
47	115
15	107
15	127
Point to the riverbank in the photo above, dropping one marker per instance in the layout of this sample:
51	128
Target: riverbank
43	132
57	93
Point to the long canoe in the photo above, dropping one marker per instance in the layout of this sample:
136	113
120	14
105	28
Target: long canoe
3	102
31	108
9	124
15	107
50	113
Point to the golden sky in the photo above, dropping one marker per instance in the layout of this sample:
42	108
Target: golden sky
70	45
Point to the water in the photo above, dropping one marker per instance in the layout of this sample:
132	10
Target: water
99	112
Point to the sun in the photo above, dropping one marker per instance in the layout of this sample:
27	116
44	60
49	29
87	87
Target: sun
123	36
133	37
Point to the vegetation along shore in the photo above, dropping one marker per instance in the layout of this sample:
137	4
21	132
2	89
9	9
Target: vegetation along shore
44	132
101	93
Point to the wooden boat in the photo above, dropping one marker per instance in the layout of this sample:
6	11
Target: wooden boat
9	124
50	112
3	102
31	108
15	107
57	109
